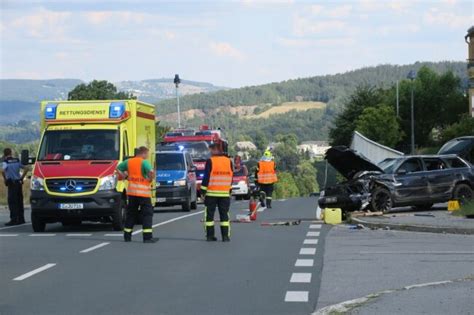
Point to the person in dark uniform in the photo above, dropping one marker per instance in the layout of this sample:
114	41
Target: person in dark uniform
14	173
216	187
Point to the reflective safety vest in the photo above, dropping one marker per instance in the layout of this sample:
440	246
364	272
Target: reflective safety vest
266	172
138	185
220	179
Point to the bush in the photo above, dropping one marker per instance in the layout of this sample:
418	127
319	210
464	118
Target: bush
286	186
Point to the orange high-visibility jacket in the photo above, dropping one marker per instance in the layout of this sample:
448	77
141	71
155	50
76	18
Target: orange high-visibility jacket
266	172
220	177
138	185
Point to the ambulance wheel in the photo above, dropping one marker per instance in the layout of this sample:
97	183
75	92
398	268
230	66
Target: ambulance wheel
38	224
118	219
186	206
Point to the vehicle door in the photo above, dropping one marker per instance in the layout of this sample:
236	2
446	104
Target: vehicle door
191	171
440	178
411	182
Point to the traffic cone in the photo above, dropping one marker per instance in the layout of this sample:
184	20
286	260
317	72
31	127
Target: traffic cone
253	209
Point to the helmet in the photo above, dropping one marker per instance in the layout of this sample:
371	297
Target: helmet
267	154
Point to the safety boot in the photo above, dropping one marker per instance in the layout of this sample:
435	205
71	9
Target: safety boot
151	240
269	203
127	236
225	233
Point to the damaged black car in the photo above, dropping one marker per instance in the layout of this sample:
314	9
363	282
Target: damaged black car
416	181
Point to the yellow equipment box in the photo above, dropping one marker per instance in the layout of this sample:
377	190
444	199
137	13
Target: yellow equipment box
453	205
332	215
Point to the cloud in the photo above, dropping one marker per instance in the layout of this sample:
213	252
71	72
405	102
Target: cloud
223	49
259	2
340	11
436	17
388	30
303	26
43	24
321	43
101	17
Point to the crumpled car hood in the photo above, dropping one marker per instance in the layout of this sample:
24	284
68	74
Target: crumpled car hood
348	162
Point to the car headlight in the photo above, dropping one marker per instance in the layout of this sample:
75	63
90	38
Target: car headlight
321	194
37	183
181	182
108	182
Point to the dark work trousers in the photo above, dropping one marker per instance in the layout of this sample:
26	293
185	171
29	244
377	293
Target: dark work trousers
139	206
268	190
15	201
223	204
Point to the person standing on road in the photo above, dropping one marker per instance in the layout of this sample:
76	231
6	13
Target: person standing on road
216	187
11	172
139	173
266	177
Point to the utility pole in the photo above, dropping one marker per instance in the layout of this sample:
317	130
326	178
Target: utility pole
177	81
412	76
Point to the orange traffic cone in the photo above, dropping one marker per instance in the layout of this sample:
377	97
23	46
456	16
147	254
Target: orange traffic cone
253	209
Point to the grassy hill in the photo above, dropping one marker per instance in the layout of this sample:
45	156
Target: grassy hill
287	107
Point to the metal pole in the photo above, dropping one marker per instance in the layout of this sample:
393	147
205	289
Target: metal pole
177	101
412	119
398	102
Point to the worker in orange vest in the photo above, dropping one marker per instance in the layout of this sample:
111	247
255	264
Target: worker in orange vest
216	187
139	173
266	177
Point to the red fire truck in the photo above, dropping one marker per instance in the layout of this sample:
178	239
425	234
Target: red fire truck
197	143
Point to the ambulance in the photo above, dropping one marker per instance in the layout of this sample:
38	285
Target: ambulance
74	177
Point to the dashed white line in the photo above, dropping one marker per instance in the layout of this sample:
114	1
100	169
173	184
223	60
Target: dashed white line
169	221
310	234
310	241
307	251
315	226
94	247
42	234
296	296
6	235
304	263
33	272
79	234
297	277
114	234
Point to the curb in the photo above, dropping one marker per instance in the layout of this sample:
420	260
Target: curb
415	228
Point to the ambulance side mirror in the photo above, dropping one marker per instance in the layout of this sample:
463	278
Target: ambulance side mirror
26	159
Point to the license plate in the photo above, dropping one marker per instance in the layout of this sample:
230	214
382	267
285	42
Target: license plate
71	206
160	199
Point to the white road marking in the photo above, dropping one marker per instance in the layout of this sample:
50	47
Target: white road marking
297	277
114	234
304	263
13	226
308	251
282	199
310	234
261	209
296	296
169	221
6	235
94	247
79	234
42	234
417	253
428	284
312	241
315	226
33	272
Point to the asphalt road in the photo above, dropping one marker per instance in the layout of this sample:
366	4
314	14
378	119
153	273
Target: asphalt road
90	270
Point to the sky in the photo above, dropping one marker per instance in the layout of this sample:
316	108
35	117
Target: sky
227	43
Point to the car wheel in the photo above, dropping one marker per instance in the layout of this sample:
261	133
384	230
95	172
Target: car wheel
118	219
38	224
186	206
463	193
426	206
381	200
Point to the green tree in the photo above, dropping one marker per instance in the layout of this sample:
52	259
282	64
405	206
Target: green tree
160	131
98	90
465	127
286	186
261	141
306	178
379	124
345	123
286	155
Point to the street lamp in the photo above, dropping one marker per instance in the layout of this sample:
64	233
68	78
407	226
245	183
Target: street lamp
177	81
412	75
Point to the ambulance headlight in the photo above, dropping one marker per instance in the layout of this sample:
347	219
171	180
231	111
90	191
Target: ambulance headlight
37	183
108	182
116	110
50	111
181	182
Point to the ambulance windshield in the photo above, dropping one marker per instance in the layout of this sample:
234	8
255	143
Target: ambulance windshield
76	145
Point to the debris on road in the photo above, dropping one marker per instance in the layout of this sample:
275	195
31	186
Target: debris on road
424	215
281	223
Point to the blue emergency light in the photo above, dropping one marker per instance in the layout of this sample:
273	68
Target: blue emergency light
116	110
50	111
